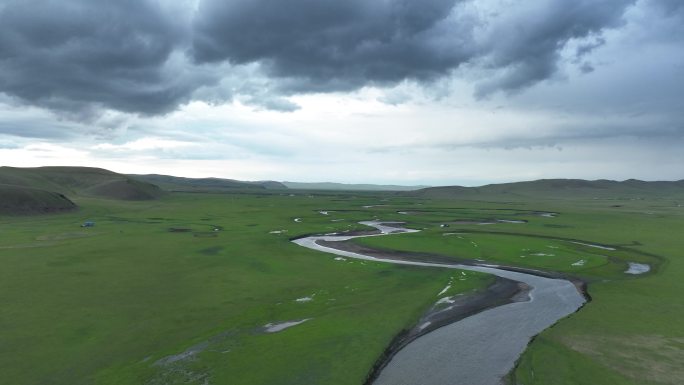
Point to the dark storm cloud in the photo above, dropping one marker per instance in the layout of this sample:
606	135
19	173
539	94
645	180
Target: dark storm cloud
526	42
338	45
75	54
139	56
671	6
332	44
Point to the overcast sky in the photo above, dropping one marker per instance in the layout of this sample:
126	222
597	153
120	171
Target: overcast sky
368	91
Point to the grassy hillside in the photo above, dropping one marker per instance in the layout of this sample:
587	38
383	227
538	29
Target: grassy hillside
180	290
561	189
79	182
174	183
21	200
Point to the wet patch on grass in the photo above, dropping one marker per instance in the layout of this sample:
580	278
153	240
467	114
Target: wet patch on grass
213	250
637	268
180	230
555	226
185	367
280	326
205	234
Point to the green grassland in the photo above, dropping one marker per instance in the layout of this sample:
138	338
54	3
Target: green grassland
154	294
178	290
631	332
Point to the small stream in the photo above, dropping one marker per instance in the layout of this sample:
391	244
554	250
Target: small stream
477	350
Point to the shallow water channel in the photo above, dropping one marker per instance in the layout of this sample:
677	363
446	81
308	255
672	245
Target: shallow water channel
480	349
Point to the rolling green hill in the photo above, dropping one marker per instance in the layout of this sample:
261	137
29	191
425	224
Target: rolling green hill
22	200
561	189
175	183
79	182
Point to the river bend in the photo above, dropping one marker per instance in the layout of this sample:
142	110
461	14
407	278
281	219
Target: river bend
477	350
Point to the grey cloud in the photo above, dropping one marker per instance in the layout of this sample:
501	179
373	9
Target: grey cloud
148	57
330	44
77	55
322	45
670	6
24	128
8	146
274	104
395	97
558	135
525	43
587	47
586	67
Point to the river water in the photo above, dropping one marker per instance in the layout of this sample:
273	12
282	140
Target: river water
480	349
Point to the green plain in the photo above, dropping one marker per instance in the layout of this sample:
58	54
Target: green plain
153	279
631	332
195	277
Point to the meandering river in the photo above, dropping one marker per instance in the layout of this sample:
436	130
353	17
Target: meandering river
477	350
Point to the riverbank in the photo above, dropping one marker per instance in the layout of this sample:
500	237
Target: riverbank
469	350
501	292
433	258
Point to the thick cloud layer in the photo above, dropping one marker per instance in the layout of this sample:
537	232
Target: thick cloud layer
148	57
334	44
527	40
73	54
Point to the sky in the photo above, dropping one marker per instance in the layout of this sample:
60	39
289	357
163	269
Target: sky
429	92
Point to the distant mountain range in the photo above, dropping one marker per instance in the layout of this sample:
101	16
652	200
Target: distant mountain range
560	189
175	183
53	189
